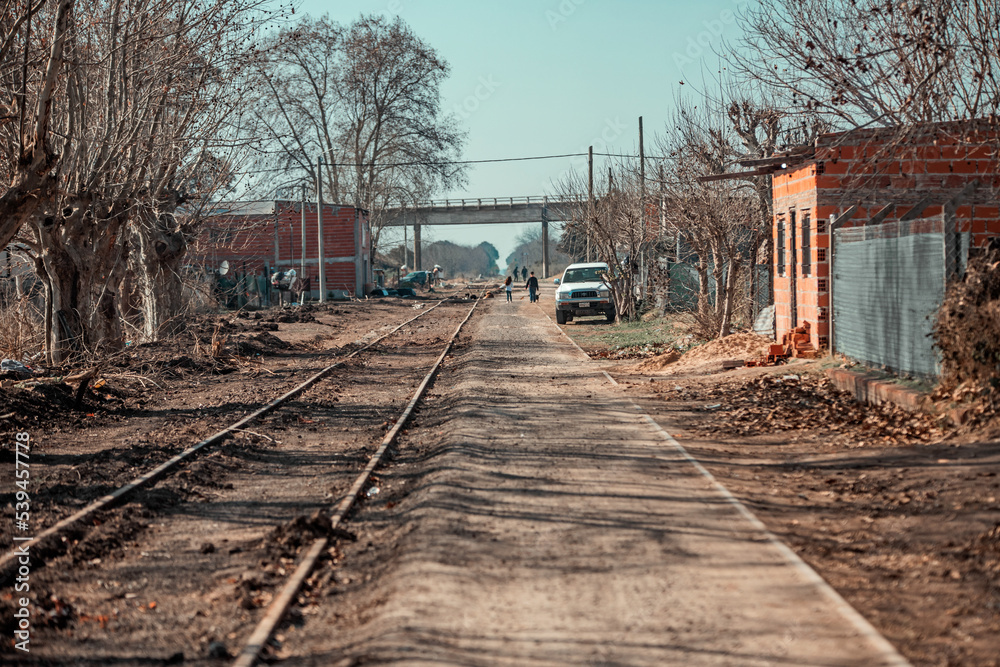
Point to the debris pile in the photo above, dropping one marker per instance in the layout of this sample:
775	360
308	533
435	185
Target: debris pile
285	540
708	357
659	362
967	332
644	351
737	345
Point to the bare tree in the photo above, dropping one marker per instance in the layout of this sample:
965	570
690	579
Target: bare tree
127	116
722	224
366	98
28	78
617	228
864	62
203	141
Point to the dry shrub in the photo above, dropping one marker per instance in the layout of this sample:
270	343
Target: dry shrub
967	332
706	323
21	328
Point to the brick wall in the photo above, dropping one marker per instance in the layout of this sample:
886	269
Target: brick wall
862	170
795	192
274	240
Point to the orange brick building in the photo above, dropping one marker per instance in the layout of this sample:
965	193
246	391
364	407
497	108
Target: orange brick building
860	178
264	237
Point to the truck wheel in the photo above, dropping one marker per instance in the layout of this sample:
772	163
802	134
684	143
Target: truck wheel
610	314
560	317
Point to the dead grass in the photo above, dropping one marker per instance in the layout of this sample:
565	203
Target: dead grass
21	330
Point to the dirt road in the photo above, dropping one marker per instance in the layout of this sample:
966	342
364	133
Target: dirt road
547	522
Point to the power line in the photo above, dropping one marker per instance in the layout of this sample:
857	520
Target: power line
421	163
448	162
492	160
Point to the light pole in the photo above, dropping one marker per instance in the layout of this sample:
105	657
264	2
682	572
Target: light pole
319	229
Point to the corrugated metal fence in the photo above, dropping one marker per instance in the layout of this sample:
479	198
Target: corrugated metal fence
888	282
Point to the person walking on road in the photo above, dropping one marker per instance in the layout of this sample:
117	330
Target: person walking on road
524	273
532	287
508	286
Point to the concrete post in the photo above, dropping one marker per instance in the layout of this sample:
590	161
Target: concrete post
416	247
302	263
590	195
319	230
545	240
359	278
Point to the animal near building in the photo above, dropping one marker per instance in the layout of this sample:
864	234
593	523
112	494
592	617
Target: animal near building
868	229
270	236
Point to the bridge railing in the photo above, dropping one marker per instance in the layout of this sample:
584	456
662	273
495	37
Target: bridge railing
487	203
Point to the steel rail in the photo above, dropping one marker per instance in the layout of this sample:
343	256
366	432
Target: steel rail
109	500
280	605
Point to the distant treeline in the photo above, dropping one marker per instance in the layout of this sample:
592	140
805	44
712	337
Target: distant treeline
455	260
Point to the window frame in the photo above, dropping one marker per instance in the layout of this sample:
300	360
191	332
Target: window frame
780	249
806	243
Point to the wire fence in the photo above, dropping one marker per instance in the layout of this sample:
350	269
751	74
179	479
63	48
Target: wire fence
888	283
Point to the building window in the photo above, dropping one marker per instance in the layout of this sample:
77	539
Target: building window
820	254
781	246
806	245
820	226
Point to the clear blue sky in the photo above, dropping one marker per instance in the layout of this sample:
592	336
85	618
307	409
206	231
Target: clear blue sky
544	77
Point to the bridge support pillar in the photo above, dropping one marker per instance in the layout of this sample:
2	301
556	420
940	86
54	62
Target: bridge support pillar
416	248
545	247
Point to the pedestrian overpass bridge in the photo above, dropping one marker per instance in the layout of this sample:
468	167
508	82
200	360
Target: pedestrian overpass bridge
484	211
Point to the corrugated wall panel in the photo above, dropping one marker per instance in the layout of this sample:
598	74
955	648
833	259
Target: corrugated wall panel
886	293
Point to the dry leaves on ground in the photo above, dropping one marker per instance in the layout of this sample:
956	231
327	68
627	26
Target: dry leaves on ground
771	403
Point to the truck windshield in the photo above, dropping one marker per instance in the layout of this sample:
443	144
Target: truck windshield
588	275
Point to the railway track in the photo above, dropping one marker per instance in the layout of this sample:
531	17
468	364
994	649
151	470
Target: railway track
272	412
368	342
276	612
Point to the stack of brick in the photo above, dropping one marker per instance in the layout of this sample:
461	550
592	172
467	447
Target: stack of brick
798	343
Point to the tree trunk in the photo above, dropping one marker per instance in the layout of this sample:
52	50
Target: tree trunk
161	246
718	269
83	264
702	268
730	295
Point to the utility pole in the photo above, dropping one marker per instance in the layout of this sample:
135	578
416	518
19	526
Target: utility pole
302	263
663	234
642	171
319	229
642	213
590	196
663	202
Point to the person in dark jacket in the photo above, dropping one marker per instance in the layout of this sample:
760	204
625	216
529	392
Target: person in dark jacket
532	287
524	273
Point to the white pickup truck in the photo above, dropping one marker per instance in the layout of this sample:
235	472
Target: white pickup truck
582	291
